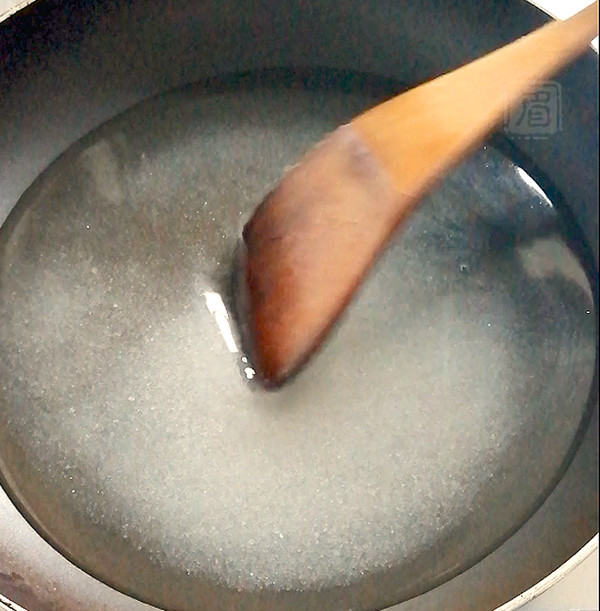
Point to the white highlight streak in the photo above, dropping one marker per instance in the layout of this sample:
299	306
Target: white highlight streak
215	306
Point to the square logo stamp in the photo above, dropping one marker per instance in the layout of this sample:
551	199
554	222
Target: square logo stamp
538	116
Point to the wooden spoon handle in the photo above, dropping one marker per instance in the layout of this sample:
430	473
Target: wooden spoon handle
418	135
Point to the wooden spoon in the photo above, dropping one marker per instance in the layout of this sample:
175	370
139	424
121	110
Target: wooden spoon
313	238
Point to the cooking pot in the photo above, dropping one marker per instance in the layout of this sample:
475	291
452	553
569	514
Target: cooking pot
67	69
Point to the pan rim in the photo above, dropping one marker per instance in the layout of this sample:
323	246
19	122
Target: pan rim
533	592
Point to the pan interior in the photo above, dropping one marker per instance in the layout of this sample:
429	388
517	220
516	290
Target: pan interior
428	429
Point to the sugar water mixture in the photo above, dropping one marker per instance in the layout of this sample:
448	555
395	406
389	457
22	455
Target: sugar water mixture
431	425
